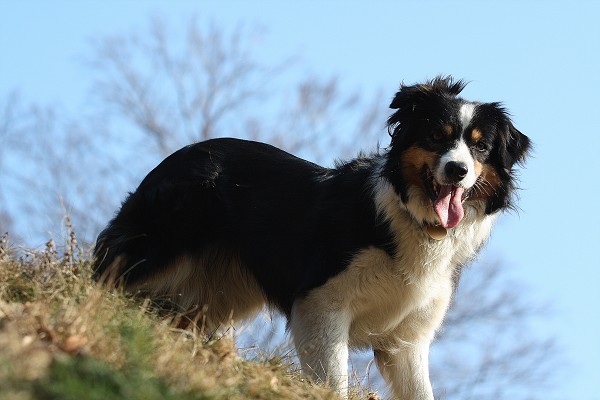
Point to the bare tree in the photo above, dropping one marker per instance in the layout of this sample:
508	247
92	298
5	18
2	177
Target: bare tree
156	92
178	90
19	125
487	348
323	121
47	165
12	117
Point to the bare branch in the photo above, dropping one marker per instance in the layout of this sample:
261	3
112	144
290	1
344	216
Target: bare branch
484	351
178	96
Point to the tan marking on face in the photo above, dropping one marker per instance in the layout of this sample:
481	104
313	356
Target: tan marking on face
487	183
476	135
447	130
413	160
478	168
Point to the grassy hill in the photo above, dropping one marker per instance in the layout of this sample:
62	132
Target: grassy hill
64	337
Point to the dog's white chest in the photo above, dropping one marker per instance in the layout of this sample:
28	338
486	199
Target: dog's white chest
390	290
382	292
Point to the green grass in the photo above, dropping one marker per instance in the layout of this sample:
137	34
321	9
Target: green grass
84	377
62	336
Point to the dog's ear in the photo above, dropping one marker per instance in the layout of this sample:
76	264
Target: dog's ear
518	145
408	97
417	102
512	147
410	103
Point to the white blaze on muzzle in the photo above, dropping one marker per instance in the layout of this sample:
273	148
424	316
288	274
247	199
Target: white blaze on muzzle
448	205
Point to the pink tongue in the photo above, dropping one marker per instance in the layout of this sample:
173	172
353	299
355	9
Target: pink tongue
448	205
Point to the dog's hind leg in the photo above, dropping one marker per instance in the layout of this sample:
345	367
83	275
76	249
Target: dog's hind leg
212	290
320	333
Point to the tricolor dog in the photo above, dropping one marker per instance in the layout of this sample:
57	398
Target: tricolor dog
362	255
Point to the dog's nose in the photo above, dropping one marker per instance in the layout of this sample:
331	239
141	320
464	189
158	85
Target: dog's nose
456	171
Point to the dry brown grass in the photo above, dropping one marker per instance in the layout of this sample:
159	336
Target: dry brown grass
61	333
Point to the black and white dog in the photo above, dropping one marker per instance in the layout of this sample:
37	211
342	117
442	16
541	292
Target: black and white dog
365	254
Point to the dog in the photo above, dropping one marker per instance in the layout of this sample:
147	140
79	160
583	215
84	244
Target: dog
366	254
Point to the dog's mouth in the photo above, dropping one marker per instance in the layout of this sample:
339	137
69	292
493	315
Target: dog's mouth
447	200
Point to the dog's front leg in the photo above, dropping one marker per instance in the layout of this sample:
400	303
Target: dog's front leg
406	369
320	333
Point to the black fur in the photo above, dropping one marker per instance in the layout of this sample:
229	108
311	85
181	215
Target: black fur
258	202
293	224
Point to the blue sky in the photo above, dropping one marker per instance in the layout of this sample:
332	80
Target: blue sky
541	58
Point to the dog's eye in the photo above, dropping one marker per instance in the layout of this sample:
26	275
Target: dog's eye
480	147
437	135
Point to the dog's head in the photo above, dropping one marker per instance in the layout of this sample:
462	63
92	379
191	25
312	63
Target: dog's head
448	153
